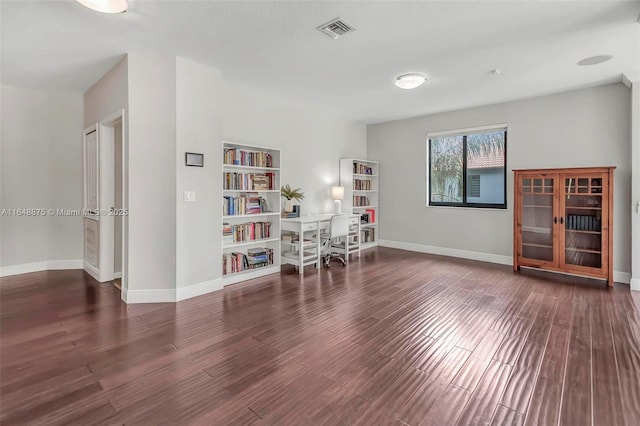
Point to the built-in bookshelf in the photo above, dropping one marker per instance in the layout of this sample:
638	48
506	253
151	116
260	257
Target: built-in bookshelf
360	181
250	212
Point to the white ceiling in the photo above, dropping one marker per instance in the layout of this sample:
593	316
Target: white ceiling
274	47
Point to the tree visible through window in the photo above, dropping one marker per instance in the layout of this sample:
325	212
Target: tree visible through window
468	170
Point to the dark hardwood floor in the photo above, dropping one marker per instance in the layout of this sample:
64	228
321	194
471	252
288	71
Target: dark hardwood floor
396	338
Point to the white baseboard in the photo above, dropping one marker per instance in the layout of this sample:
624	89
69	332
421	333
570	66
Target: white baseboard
635	284
117	275
47	265
91	270
621	277
170	295
618	276
444	251
199	289
149	296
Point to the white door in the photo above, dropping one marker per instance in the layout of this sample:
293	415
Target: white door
99	181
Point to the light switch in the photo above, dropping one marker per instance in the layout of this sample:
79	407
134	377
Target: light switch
189	196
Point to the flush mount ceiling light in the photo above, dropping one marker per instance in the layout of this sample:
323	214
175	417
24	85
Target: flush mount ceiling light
410	81
106	6
595	60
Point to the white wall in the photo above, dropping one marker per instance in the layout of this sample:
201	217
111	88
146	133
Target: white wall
41	168
589	127
107	96
311	139
152	172
199	105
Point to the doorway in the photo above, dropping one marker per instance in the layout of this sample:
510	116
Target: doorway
105	211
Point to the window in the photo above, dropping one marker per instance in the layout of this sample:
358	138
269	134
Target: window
468	168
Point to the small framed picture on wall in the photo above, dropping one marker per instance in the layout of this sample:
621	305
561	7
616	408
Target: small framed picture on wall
193	159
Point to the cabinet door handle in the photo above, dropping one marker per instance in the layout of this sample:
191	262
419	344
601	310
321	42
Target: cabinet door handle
555	219
561	220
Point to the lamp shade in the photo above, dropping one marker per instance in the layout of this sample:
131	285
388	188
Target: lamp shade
337	192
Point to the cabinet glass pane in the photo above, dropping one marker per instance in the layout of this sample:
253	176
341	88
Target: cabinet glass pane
583	222
537	222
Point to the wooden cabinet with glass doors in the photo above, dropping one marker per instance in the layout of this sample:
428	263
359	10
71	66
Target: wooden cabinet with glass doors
563	221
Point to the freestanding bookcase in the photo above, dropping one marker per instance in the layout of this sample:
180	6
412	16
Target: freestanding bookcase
360	181
251	212
563	221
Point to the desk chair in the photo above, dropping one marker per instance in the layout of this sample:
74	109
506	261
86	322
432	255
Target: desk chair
338	229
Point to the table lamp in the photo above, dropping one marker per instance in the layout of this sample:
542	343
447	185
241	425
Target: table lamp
337	194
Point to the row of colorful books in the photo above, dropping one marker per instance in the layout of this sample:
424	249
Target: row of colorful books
244	204
360	200
249	181
245	232
241	157
362	185
362	169
254	258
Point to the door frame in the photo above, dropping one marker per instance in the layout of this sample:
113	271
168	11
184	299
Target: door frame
105	129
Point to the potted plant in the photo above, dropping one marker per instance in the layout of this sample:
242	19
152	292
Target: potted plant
291	194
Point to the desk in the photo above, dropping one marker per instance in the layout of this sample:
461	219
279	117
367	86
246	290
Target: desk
304	247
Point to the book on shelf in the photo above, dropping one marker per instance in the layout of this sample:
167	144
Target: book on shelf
360	200
362	169
227	233
368	235
287	237
243	157
372	215
249	203
583	223
289	215
253	259
248	181
243	232
362	185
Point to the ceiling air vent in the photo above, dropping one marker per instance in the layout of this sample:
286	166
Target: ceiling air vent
335	28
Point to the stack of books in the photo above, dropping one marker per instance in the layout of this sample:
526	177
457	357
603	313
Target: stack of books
288	237
259	257
227	233
286	215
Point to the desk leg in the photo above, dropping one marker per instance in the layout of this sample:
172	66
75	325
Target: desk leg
318	247
346	250
300	251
